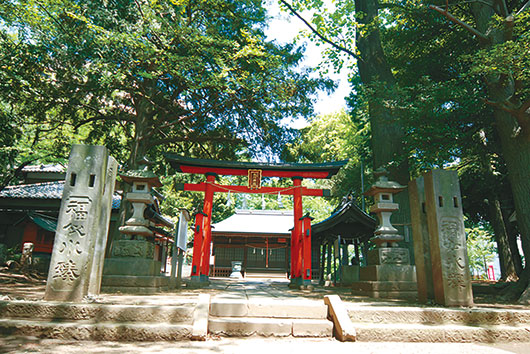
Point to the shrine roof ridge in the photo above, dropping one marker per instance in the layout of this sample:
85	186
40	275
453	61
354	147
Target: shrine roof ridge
348	215
187	164
44	190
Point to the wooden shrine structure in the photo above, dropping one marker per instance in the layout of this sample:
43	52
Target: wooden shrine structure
300	234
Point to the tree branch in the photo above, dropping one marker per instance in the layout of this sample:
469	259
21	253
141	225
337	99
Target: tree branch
450	17
43	7
15	173
139	8
318	34
194	140
525	106
520	114
468	2
524	8
98	118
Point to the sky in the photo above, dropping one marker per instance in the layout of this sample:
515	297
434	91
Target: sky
283	28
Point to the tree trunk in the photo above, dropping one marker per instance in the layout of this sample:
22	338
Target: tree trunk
387	131
496	219
516	152
515	148
512	241
138	149
508	272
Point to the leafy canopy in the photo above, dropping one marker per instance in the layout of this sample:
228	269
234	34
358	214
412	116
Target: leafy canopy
147	76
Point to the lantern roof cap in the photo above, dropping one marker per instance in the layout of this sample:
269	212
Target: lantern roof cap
383	185
141	176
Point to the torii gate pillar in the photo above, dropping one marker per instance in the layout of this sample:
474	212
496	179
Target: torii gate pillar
296	260
207	240
203	234
306	249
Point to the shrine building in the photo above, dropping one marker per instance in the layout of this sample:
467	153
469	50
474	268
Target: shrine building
260	239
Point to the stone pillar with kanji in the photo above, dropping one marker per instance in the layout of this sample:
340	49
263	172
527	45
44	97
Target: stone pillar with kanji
79	224
449	266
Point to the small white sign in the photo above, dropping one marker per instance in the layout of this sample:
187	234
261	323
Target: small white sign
182	232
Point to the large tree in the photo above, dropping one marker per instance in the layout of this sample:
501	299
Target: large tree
502	29
143	76
352	28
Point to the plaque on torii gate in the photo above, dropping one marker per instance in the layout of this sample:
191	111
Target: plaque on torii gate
300	245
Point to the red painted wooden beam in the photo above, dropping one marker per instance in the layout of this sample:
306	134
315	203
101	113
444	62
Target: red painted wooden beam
218	188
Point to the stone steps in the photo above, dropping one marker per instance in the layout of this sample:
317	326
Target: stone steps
265	317
265	307
97	312
82	330
438	316
266	327
129	284
97	321
412	324
402	332
240	317
261	275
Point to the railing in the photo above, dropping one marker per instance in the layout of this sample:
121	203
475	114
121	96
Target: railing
220	271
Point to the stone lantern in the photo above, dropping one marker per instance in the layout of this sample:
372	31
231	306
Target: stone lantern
142	182
388	273
134	265
383	191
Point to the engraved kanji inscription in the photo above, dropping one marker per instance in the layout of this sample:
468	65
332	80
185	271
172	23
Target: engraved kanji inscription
450	236
77	207
71	247
75	229
456	281
66	271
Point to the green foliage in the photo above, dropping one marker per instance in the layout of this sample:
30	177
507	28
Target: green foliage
336	23
480	246
330	137
510	58
148	76
334	137
439	98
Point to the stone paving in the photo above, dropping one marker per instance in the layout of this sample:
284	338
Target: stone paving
252	345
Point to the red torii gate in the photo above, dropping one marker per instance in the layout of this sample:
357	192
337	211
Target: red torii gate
301	233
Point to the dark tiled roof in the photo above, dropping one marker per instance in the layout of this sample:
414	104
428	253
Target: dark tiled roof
348	221
44	168
177	161
45	190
